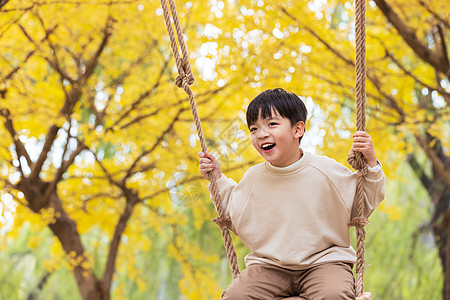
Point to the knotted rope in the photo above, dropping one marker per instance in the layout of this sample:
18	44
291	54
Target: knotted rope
184	79
356	159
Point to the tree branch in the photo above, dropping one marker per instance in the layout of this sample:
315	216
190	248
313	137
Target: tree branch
75	93
372	111
443	50
142	97
20	147
138	119
372	78
429	87
419	171
16	69
392	102
8	184
49	139
98	195
312	32
443	21
409	36
114	83
438	165
131	171
35	295
108	175
131	200
65	164
3	3
107	32
55	64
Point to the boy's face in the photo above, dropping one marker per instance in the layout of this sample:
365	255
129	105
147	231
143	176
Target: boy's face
277	140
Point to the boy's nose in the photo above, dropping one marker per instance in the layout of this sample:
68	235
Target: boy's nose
263	133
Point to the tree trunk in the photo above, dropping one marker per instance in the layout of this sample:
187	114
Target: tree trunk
439	194
65	229
447	260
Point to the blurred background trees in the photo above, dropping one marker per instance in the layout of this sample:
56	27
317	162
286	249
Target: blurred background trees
407	75
99	154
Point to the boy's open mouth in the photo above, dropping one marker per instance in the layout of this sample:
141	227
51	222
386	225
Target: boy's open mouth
267	147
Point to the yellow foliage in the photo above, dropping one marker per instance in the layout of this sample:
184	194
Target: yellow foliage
120	292
146	244
25	217
198	287
393	211
57	258
34	242
49	215
197	284
136	127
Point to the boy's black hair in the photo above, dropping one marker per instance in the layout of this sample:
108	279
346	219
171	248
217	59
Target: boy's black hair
287	104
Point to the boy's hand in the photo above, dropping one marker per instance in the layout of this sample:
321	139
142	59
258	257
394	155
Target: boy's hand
362	142
208	163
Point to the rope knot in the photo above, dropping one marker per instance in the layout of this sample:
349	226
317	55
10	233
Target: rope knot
357	161
185	76
223	222
358	222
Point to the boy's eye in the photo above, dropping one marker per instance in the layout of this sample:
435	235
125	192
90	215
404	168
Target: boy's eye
252	129
272	124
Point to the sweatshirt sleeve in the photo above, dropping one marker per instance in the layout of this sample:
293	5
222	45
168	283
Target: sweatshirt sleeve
373	185
226	187
345	182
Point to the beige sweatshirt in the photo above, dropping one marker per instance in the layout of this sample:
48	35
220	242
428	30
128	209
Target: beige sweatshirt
297	216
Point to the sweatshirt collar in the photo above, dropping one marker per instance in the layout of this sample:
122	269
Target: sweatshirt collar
297	166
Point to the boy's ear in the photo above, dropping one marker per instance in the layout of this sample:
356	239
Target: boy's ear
299	129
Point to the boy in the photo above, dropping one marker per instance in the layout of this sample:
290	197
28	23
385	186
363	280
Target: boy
292	210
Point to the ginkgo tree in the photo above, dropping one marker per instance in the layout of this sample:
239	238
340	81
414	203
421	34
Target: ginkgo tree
97	138
95	134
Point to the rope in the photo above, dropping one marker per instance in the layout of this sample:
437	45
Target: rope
184	79
356	159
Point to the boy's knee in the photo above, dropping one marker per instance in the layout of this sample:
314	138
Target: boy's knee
338	292
258	282
332	281
237	292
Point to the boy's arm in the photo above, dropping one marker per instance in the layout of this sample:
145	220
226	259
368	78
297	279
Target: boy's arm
208	163
226	187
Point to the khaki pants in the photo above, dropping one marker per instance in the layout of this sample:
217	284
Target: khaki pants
328	281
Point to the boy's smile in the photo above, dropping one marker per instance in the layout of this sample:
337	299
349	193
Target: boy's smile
277	140
267	147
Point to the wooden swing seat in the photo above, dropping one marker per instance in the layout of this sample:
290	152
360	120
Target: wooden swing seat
365	296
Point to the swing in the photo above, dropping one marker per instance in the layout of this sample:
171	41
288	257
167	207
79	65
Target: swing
186	78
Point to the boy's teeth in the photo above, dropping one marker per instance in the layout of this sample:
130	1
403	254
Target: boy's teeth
267	146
